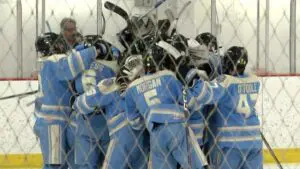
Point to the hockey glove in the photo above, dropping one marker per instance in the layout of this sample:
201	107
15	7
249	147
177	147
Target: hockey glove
195	74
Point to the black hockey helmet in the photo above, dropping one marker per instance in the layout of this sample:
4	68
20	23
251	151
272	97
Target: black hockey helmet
235	60
132	37
208	40
109	52
179	42
166	54
49	43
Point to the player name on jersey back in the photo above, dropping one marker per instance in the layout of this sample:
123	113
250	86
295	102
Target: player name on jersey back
148	85
248	88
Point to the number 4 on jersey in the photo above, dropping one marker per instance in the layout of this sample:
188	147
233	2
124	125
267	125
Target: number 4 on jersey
243	104
151	97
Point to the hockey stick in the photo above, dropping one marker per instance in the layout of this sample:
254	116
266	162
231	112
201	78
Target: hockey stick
186	114
104	25
271	150
19	95
170	15
191	139
118	10
173	27
159	3
48	26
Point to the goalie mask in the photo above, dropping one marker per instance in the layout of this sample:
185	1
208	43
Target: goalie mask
49	43
235	60
134	67
131	70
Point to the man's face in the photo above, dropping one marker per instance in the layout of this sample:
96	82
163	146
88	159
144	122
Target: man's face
69	32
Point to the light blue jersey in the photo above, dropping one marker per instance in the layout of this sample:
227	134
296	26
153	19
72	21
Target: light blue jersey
235	122
57	71
157	98
52	107
126	148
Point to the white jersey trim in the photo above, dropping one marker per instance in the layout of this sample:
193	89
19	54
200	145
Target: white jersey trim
197	126
108	155
167	112
239	139
136	123
54	144
196	147
71	66
79	61
114	119
55	108
239	128
85	104
53	117
118	127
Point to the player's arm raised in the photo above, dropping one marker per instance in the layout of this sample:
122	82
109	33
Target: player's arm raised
68	67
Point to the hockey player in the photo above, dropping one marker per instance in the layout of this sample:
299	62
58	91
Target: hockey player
156	100
236	126
52	107
205	61
126	145
91	132
204	54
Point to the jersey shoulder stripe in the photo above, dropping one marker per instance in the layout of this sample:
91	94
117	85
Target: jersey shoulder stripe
151	77
229	80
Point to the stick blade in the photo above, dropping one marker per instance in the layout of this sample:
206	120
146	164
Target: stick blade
115	8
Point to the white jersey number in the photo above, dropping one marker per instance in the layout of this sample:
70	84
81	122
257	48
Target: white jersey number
243	104
151	97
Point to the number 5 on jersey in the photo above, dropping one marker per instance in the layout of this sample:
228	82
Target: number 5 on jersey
151	97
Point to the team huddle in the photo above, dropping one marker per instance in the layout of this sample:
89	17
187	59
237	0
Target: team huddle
160	101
